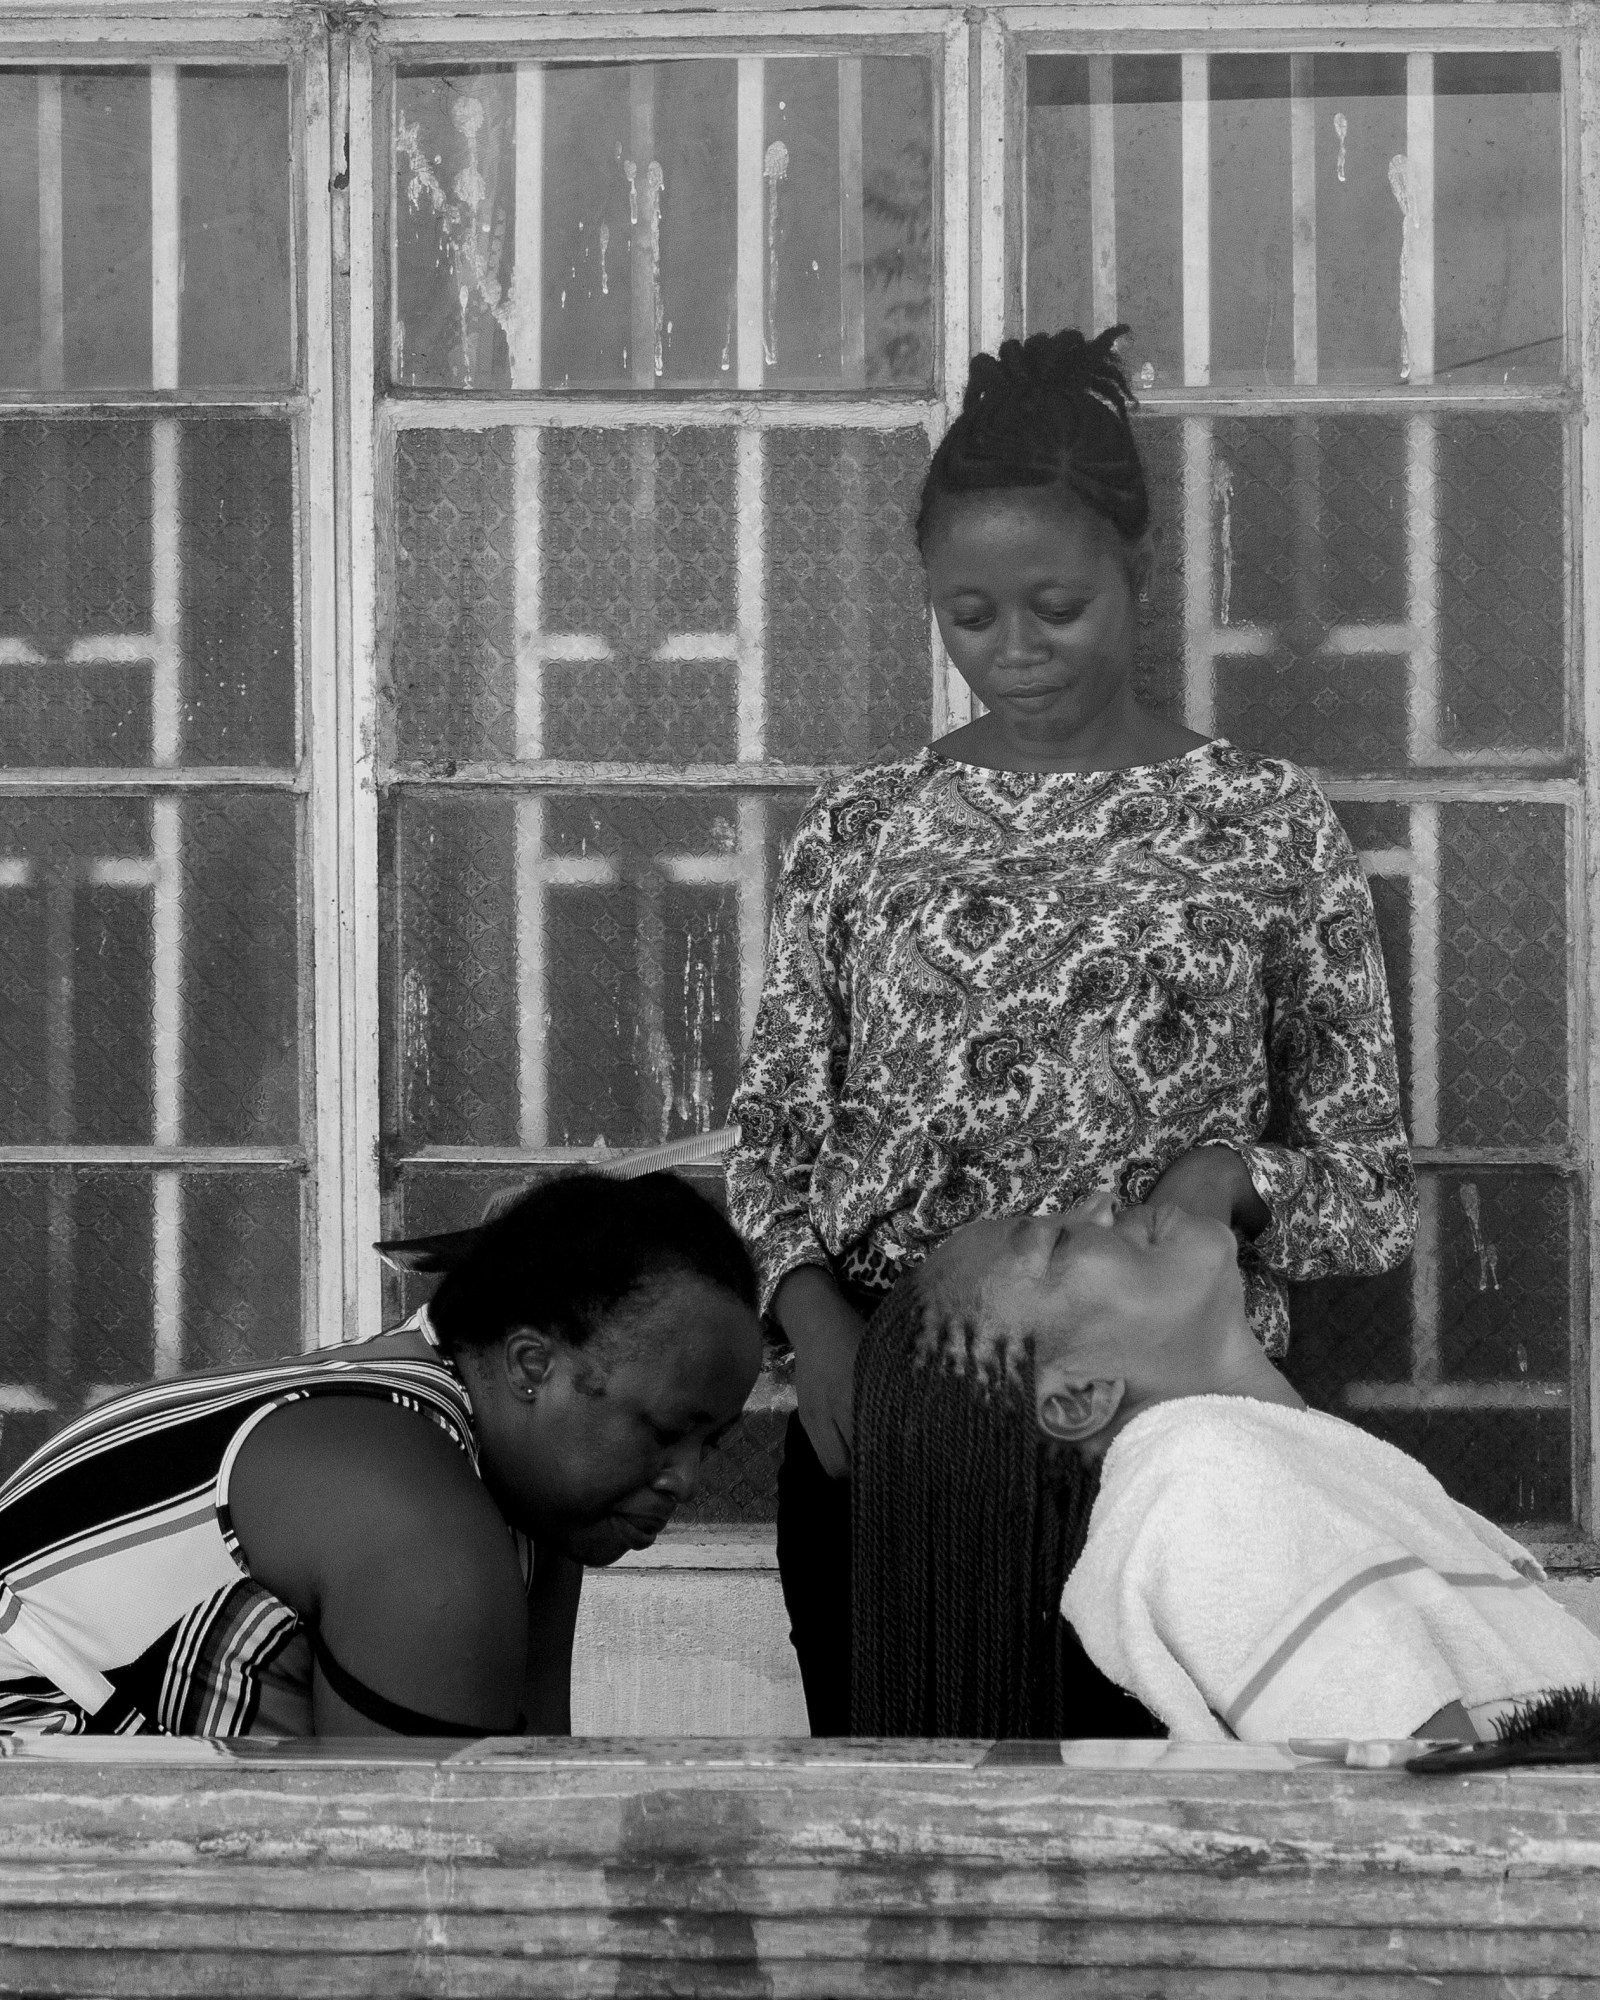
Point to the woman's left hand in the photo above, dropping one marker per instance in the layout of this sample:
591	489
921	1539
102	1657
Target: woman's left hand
1213	1181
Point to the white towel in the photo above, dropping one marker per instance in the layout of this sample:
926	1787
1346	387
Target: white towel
1270	1572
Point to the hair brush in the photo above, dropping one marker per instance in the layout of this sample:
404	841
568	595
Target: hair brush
1562	1727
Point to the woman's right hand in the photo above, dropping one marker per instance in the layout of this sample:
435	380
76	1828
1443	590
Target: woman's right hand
824	1331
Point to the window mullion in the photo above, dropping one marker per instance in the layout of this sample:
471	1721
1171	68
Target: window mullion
359	963
1586	990
326	1290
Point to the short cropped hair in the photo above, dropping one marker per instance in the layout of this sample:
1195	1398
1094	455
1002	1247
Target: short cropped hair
571	1251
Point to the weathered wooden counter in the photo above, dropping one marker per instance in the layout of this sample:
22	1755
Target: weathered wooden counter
511	1868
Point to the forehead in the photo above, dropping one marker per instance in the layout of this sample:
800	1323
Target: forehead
682	1353
1017	526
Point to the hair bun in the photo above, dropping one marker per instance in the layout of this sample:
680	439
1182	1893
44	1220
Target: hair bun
1064	362
1051	411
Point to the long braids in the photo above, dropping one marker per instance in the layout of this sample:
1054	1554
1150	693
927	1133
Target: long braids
965	1525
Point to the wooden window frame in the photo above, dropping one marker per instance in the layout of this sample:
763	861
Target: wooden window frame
291	38
1419	29
338	57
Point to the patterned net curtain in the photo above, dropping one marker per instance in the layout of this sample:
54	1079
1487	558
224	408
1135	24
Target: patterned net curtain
151	1120
1365	567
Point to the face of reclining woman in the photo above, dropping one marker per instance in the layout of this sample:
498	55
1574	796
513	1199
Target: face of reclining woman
1099	1291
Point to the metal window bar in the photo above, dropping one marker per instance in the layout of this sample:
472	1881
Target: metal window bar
52	315
166	896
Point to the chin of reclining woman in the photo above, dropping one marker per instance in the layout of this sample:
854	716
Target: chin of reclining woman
387	1536
1252	1568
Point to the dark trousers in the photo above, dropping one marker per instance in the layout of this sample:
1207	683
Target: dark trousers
814	1567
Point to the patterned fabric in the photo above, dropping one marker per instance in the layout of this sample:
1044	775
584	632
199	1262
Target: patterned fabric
125	1604
994	992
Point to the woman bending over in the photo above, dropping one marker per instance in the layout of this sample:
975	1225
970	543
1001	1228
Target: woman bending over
388	1536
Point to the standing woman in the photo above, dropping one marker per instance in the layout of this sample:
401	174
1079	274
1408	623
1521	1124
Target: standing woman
1070	946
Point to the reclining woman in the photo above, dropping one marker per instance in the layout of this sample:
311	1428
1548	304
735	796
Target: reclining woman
387	1537
1253	1568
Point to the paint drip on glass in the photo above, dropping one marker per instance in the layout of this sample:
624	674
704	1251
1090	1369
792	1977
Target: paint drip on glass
605	245
1488	1256
1410	218
774	169
1222	496
1341	126
465	216
630	170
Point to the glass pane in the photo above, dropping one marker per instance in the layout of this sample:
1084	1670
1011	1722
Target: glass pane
574	969
1471	903
851	672
633	201
147	593
1497	251
1324	138
96	1257
1461	1358
97	169
642	634
153	971
1385	591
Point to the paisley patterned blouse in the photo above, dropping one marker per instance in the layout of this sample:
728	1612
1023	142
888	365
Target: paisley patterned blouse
993	992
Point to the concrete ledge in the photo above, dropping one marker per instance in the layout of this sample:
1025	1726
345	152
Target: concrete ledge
790	1872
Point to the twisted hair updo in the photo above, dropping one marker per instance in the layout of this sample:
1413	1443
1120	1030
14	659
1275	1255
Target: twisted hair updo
1049	413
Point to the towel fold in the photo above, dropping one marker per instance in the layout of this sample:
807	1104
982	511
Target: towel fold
1265	1572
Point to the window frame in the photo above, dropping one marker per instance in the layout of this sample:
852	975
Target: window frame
1009	34
412	37
338	57
291	37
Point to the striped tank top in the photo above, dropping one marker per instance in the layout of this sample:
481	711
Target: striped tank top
125	1602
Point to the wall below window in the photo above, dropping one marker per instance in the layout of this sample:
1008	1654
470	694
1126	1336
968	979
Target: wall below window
690	1639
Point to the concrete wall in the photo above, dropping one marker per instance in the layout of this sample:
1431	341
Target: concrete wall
690	1639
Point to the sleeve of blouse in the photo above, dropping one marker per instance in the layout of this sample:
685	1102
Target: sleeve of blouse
1334	1168
788	1087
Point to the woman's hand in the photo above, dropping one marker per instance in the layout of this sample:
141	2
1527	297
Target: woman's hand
1213	1181
824	1332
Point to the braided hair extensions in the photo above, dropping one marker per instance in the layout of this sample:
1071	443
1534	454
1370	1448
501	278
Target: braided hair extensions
965	1524
1049	413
